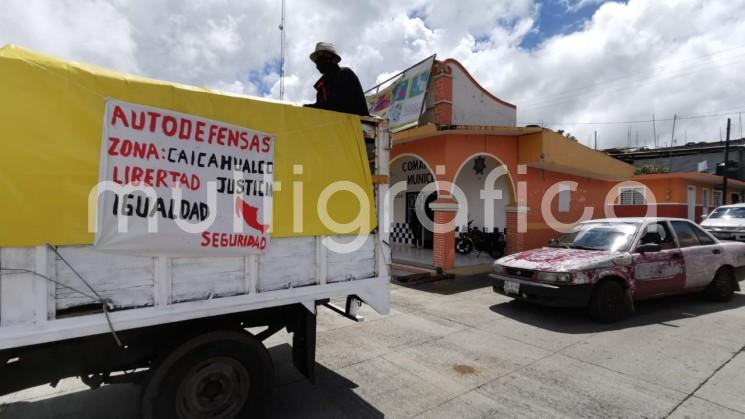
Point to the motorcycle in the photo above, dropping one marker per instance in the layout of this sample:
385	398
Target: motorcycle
475	239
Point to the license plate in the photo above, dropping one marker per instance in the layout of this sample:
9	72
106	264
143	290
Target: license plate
511	287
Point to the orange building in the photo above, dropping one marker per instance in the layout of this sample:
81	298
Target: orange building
466	148
681	194
467	161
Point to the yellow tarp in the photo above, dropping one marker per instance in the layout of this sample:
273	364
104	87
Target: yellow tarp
51	115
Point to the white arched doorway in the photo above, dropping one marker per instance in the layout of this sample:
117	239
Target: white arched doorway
484	192
472	179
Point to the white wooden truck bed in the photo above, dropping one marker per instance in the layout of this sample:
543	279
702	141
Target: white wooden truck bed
46	301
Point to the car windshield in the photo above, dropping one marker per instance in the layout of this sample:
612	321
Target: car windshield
727	213
611	236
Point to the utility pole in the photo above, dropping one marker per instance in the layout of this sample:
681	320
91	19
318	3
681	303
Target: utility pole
654	131
596	139
282	55
628	139
631	142
726	166
672	140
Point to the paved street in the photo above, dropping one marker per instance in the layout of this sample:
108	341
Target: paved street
456	349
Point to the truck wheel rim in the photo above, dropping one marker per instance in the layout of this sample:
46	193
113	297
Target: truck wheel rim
215	388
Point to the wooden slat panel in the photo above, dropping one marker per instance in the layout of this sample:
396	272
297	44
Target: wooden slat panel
288	262
350	266
17	299
197	278
125	280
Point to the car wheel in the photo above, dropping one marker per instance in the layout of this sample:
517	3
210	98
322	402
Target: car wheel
721	288
607	302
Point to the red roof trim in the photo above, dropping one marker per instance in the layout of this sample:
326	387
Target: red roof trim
470	77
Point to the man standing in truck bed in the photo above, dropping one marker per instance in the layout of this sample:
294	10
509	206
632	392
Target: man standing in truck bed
339	88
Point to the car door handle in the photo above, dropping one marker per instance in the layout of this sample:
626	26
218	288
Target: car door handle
716	251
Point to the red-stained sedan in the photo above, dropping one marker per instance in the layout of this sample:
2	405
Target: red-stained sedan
606	265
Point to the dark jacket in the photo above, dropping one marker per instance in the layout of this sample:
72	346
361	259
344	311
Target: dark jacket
340	91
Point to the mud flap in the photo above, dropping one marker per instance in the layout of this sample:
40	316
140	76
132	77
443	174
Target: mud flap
304	343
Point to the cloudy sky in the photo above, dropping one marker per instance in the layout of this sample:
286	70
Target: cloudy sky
578	65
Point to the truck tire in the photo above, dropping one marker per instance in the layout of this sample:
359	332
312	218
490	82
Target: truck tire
222	374
607	304
722	287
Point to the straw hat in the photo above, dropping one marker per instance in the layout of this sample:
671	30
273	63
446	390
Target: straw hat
325	47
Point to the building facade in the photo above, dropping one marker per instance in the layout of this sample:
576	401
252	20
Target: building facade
684	195
467	161
701	157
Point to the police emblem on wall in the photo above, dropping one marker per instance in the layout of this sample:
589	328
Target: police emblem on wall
479	165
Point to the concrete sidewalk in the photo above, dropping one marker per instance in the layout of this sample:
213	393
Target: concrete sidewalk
456	349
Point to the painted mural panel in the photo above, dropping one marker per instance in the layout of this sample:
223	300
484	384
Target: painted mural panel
402	101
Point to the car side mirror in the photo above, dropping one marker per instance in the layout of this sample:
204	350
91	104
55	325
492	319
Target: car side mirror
648	248
704	216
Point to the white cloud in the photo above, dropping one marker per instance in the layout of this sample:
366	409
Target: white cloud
630	61
236	86
87	30
576	5
627	62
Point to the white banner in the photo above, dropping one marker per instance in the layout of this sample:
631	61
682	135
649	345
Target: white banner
178	184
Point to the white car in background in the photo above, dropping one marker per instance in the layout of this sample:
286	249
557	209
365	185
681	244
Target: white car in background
726	222
606	265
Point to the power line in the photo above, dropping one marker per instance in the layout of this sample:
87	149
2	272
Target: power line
664	66
570	98
672	144
642	121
